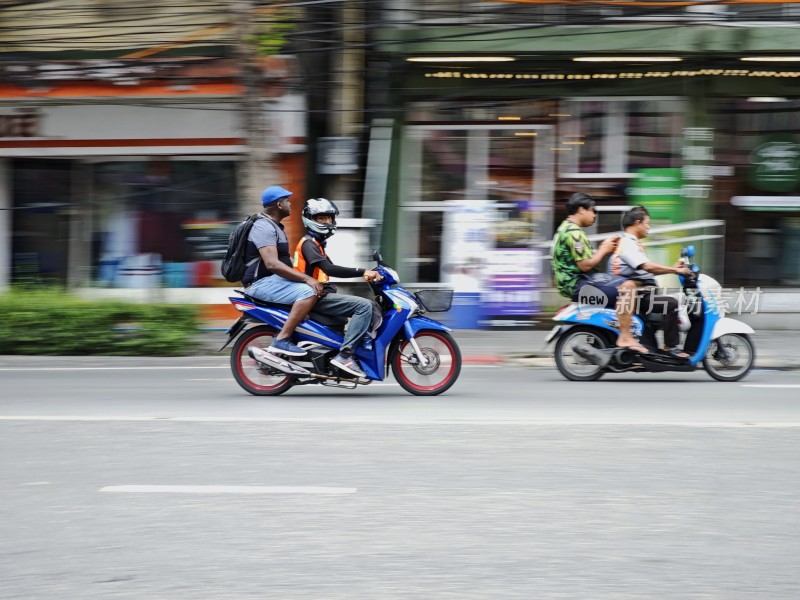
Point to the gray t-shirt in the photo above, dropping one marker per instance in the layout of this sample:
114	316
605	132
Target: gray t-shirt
264	233
627	259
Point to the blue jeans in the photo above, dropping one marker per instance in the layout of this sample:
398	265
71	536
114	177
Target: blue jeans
279	290
359	310
605	283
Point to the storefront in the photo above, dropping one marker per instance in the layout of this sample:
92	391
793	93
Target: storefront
126	196
687	133
484	186
759	140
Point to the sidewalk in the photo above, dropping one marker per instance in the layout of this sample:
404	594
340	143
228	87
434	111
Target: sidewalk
526	347
521	347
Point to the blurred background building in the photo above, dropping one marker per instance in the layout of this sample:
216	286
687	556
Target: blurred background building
449	132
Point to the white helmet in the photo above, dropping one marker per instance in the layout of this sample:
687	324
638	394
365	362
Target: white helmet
315	207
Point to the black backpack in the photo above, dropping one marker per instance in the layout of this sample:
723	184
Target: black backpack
233	265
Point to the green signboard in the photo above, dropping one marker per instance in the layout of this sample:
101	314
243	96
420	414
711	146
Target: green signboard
775	164
659	190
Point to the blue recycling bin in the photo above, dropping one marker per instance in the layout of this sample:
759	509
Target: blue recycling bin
465	313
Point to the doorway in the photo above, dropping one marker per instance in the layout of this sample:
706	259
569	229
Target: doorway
487	186
41	198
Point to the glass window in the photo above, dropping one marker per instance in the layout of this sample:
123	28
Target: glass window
654	129
470	190
443	166
161	222
42	199
620	136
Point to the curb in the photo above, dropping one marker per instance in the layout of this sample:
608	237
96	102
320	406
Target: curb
483	360
541	359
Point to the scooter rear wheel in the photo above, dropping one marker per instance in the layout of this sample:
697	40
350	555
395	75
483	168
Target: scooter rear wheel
570	364
248	372
730	357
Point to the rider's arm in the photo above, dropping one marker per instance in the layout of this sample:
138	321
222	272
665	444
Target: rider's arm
269	254
332	270
264	235
657	269
315	258
606	247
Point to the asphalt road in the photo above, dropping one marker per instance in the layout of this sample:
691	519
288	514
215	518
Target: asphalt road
126	480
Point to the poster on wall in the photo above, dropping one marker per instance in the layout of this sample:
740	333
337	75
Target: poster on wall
513	283
466	240
775	164
660	191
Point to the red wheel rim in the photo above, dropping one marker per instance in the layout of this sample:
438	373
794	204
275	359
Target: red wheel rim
432	352
247	367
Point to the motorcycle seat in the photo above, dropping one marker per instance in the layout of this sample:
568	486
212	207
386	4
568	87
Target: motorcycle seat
334	322
652	317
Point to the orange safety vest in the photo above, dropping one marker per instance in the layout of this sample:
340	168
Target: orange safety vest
299	261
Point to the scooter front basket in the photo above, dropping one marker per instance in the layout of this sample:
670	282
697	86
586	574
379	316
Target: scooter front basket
435	300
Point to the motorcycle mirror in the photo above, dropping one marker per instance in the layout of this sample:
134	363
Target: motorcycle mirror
690	251
376	256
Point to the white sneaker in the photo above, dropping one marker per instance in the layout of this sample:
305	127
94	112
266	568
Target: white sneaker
348	364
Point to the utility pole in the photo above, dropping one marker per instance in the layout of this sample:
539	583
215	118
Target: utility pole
256	171
347	99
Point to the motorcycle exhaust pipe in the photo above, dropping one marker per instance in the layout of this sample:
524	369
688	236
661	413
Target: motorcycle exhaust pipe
276	362
623	357
593	355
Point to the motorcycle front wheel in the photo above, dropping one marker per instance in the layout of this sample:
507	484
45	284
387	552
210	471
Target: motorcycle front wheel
251	375
570	364
730	357
442	363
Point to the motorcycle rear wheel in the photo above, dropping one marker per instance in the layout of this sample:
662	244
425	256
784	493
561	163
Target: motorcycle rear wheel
569	363
730	357
248	372
441	371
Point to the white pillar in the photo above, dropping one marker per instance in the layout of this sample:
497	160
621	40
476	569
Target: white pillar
5	224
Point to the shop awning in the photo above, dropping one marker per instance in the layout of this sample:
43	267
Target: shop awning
564	39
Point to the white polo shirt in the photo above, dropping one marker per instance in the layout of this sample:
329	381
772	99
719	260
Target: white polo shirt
627	259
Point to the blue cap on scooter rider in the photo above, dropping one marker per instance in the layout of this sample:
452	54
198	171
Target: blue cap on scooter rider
273	194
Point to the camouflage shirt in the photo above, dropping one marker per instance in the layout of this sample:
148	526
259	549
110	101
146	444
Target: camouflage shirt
570	245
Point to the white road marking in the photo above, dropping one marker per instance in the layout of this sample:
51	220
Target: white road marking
225	489
388	421
46	369
371	385
771	385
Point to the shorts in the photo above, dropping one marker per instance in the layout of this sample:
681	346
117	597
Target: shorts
601	291
275	288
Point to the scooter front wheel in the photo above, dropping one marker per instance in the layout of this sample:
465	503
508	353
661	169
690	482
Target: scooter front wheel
442	363
571	364
249	373
730	357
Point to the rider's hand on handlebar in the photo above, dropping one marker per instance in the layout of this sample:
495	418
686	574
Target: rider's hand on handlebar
681	268
370	276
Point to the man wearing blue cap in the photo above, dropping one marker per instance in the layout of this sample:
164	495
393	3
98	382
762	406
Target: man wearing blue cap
272	278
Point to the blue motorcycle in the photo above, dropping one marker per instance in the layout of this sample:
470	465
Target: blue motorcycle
424	357
585	338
